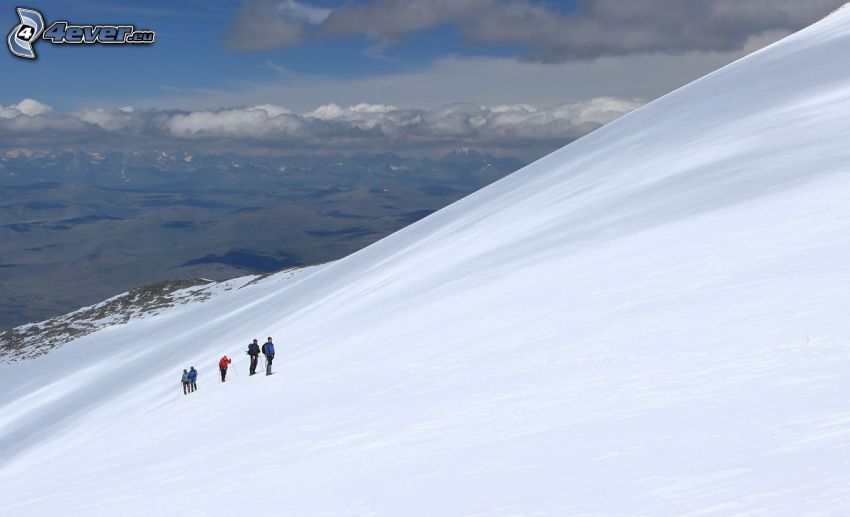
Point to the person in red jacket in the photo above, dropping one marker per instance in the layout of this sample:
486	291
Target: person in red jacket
222	366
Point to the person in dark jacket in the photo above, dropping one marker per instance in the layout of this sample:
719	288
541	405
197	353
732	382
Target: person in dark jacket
193	378
268	351
185	380
254	352
222	366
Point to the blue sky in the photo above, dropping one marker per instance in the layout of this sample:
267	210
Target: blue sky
188	54
191	54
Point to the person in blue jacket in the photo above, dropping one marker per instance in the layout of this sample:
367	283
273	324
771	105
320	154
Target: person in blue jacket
268	351
193	378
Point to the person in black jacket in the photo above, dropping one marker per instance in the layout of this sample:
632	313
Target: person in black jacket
254	352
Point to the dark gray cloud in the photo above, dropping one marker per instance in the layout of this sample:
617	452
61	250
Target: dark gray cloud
264	24
330	127
596	28
624	27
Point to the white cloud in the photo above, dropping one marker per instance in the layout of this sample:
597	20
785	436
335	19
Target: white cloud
299	11
30	117
110	120
28	107
389	123
33	107
266	121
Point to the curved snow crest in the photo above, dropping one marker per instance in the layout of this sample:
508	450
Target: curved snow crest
651	320
35	339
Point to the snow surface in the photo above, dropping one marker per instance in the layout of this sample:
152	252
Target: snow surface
650	321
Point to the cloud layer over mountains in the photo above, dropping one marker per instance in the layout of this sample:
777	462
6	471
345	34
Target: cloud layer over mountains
329	126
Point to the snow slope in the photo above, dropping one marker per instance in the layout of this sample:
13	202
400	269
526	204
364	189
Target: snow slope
650	321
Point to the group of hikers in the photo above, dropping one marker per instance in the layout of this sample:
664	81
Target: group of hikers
190	379
190	376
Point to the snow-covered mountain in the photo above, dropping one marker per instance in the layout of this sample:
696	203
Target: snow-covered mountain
650	321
